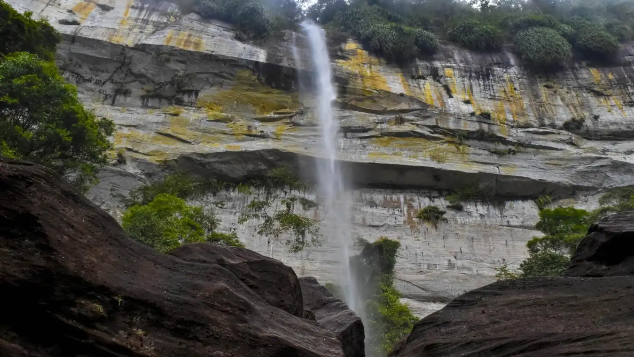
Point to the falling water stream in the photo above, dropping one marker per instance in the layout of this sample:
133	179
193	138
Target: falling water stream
331	182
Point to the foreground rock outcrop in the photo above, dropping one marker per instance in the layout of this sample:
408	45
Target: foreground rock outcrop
607	250
73	283
334	315
590	315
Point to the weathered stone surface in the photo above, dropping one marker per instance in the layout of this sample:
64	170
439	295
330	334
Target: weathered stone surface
607	250
73	284
531	317
185	93
334	315
275	283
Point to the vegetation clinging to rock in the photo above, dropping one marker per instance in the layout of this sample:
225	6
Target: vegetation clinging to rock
542	47
475	35
432	215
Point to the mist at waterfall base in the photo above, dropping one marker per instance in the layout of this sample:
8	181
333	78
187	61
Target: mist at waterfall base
336	199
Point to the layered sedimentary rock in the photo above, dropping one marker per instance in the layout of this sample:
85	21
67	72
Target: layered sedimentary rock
186	95
334	315
553	316
74	284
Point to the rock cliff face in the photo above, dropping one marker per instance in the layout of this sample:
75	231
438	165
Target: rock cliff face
584	314
186	94
73	284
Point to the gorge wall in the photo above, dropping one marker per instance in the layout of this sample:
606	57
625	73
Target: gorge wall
185	94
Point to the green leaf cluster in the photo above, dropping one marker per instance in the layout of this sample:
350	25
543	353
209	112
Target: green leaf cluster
21	33
542	47
168	222
249	16
432	215
475	35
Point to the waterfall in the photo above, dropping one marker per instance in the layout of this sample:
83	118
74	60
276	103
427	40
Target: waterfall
337	201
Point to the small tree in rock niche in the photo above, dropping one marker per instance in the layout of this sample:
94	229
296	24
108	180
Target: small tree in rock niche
279	217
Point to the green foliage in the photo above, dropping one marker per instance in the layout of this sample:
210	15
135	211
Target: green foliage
542	47
619	30
250	17
432	215
335	290
593	39
224	239
533	21
42	120
426	42
504	273
177	184
543	201
614	201
392	319
544	264
475	35
168	222
466	193
563	221
19	32
380	255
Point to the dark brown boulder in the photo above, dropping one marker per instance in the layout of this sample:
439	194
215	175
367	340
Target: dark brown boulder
607	250
531	317
334	315
73	283
274	282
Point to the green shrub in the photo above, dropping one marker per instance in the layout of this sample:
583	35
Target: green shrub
533	21
432	215
250	17
168	222
566	31
593	38
543	201
545	264
474	35
542	47
619	30
393	41
426	42
179	185
391	319
224	239
19	32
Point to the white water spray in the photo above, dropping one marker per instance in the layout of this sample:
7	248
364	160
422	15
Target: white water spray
330	179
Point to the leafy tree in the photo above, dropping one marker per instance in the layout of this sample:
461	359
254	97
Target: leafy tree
42	120
19	32
250	17
431	214
168	222
542	46
475	35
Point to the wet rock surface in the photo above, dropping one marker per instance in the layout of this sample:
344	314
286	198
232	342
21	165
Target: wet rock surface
334	315
589	313
73	283
607	250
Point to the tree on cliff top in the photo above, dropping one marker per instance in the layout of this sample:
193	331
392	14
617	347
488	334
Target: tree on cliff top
19	32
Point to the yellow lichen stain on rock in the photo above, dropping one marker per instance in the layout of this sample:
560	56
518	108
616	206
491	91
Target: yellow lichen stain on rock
405	85
428	95
247	91
127	11
500	116
232	147
169	38
440	98
508	170
362	66
185	40
619	105
610	75
351	45
596	75
84	9
514	99
448	72
378	155
281	129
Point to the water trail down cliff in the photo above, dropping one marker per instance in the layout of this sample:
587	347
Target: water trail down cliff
330	179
